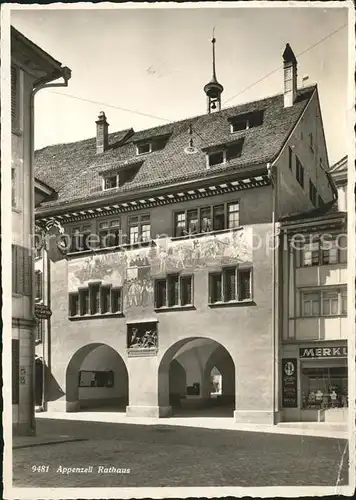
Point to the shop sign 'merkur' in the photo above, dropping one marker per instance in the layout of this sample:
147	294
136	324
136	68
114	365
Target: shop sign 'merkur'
323	352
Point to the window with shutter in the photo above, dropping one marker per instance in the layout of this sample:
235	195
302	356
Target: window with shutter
15	98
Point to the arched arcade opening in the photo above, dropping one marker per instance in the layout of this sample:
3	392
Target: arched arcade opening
186	379
96	380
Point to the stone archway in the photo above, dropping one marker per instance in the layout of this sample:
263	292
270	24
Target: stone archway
184	375
96	378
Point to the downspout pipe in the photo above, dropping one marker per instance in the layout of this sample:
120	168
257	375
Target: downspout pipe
66	74
272	174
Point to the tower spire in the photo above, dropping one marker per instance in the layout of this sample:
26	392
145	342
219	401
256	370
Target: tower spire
213	89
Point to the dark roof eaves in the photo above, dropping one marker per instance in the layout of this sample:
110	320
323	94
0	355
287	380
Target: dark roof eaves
39	51
80	204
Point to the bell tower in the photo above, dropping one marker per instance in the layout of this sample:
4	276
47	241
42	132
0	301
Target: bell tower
213	89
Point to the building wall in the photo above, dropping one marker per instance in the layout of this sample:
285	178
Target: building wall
245	330
293	198
22	219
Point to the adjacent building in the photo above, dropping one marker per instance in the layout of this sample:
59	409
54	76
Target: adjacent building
171	294
31	69
314	300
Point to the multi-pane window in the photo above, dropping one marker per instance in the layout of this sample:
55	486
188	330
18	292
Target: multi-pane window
110	182
230	285
175	290
244	122
324	252
96	299
153	145
14	198
109	232
299	172
80	237
139	228
231	152
38	285
328	302
233	215
312	192
39	331
206	219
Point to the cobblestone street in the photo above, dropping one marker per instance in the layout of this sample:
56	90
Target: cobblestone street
177	456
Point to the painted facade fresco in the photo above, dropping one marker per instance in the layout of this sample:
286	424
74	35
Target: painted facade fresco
133	269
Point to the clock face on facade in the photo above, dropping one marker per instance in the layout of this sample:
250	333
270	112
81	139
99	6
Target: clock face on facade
289	368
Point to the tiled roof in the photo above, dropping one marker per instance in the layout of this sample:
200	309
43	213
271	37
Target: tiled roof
339	166
328	210
73	169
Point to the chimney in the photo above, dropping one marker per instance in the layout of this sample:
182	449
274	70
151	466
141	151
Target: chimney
290	76
102	135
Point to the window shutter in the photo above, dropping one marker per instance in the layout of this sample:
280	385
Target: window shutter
14	85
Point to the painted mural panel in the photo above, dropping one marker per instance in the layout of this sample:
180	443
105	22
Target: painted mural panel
133	269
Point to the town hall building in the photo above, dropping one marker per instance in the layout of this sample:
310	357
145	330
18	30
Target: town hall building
166	286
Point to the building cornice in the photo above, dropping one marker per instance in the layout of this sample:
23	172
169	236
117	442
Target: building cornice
149	201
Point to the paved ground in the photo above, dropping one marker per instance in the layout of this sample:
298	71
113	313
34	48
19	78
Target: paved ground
207	419
178	456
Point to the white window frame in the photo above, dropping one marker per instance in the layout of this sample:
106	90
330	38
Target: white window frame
108	176
222	274
247	121
322	297
180	278
149	144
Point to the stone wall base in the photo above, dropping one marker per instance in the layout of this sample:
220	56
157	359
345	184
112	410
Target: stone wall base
149	411
256	417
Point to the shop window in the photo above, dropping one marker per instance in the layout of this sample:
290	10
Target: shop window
207	219
324	302
95	300
174	291
139	228
324	387
230	285
96	378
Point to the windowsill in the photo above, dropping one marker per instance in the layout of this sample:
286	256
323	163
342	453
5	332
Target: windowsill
189	307
124	246
321	265
248	302
17	132
207	233
96	316
17	210
38	342
319	316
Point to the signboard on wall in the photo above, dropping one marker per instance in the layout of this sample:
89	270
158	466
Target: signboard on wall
323	352
289	383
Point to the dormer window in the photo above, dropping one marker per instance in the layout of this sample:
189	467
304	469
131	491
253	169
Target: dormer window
150	145
230	152
143	149
110	182
246	121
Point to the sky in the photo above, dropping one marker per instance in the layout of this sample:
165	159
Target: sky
156	62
